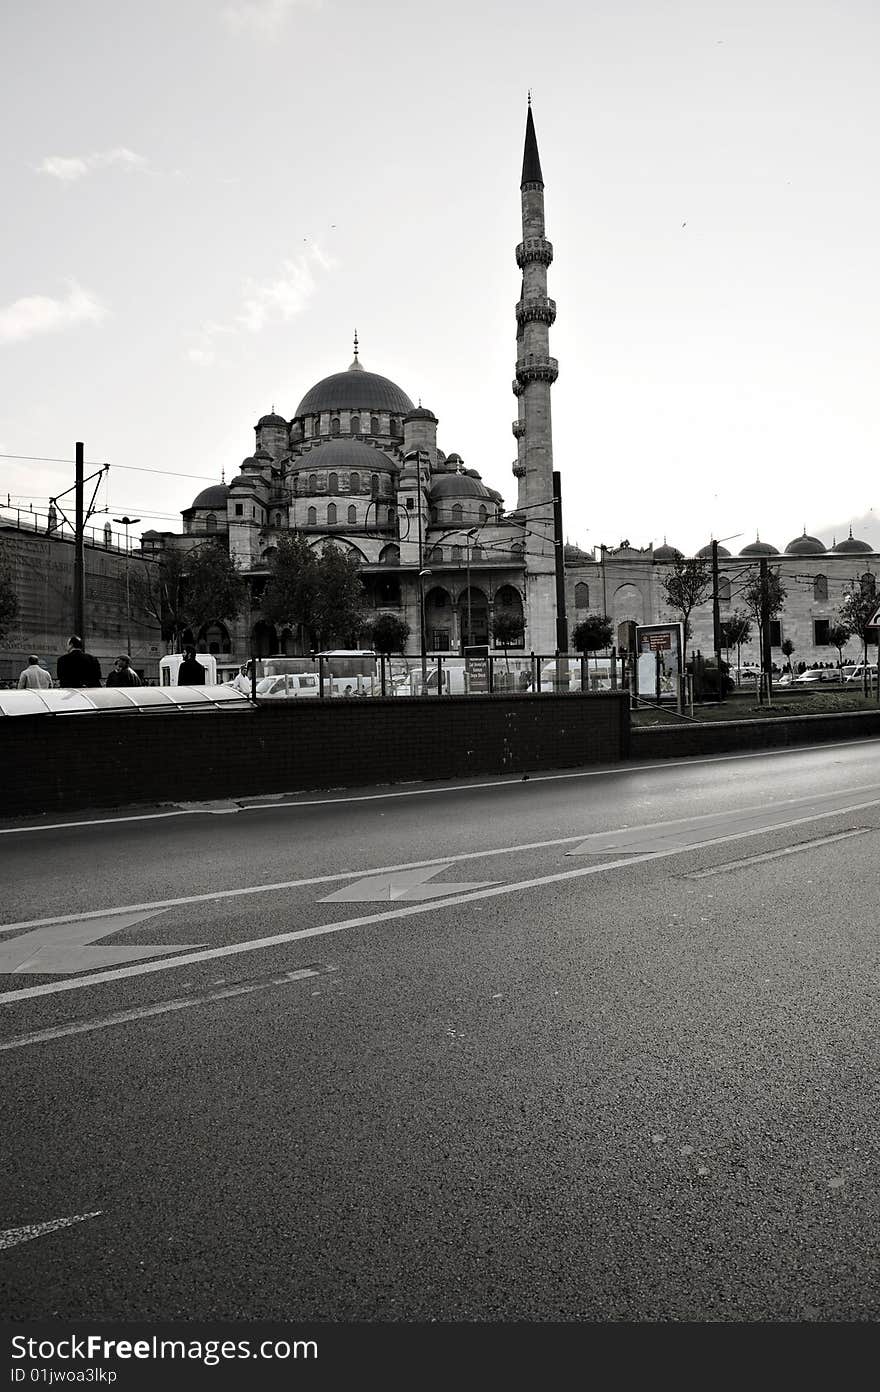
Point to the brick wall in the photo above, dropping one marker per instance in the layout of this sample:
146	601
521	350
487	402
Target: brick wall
65	763
729	736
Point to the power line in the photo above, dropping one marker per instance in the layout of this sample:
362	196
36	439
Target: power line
102	464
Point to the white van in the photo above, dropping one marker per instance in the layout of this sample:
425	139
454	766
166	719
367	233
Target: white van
169	666
287	686
855	674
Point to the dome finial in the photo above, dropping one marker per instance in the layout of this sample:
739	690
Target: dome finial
357	365
223	472
530	96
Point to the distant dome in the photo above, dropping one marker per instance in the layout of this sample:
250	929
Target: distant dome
342	453
272	419
667	553
705	552
850	545
151	532
571	552
454	458
420	413
805	546
213	497
355	390
458	486
759	548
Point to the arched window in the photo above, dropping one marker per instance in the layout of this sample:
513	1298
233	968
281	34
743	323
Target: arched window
211	522
820	587
456	553
333	483
355	425
316	428
374	485
334	425
312	517
374	425
723	590
331	514
392	426
389	555
581	596
436	554
457	513
352	515
354	483
313	483
483	514
517	549
392	516
869	584
278	519
215	637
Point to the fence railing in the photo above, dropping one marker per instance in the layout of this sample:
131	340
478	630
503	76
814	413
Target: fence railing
447	675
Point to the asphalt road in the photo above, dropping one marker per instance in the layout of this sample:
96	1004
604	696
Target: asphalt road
591	1046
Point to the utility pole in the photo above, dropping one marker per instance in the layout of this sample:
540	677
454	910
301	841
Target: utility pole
765	624
561	617
127	522
716	619
79	549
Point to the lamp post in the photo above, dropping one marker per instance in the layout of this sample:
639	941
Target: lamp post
716	614
422	644
127	522
469	536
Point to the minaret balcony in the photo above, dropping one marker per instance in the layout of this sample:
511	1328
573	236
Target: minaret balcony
535	369
519	429
534	249
518	470
538	308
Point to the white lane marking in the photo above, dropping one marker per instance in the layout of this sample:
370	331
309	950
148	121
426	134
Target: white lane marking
515	781
300	934
306	882
404	884
775	855
64	948
13	1236
123	1017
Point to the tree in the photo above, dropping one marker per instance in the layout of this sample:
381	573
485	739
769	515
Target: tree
687	585
593	633
788	649
388	634
507	626
339	612
188	589
292	587
738	630
764	593
8	595
838	636
856	612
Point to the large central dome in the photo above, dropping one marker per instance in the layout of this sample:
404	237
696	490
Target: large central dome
355	390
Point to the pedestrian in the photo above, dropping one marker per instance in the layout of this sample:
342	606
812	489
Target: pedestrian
76	667
191	672
123	674
34	676
242	680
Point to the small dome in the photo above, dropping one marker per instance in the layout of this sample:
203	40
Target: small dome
805	546
151	532
272	419
458	486
851	545
571	552
420	413
454	458
213	497
705	552
241	480
667	553
759	548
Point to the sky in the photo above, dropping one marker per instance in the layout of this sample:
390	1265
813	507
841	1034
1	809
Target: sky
205	198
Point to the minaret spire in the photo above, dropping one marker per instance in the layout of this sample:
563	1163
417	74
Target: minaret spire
357	365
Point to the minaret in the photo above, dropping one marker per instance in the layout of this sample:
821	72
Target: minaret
536	372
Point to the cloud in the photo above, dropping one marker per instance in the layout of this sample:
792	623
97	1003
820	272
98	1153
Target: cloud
266	17
37	314
69	168
274	301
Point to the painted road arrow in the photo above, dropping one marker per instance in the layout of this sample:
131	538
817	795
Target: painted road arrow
62	948
13	1236
401	884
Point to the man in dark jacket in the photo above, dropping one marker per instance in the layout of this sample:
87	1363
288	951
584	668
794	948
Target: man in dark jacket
191	672
78	668
123	674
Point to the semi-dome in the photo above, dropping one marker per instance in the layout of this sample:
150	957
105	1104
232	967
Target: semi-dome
705	552
667	553
458	486
850	545
805	546
213	497
355	390
759	548
342	453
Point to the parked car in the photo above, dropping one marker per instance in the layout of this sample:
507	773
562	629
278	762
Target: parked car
811	676
856	675
785	680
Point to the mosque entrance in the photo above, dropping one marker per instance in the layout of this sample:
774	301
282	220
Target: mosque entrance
473	618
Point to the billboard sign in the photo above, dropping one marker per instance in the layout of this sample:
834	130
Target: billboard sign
660	653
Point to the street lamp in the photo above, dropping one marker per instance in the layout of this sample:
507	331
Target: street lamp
127	522
469	536
422	644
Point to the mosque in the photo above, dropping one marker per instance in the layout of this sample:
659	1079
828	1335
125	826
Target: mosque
358	466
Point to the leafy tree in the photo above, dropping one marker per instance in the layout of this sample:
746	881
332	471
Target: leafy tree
788	649
738	630
593	633
339	613
188	589
686	586
292	587
856	612
764	592
838	636
388	634
507	626
8	595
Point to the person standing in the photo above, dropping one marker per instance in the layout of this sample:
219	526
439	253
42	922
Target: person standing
242	679
34	676
123	674
191	672
76	667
